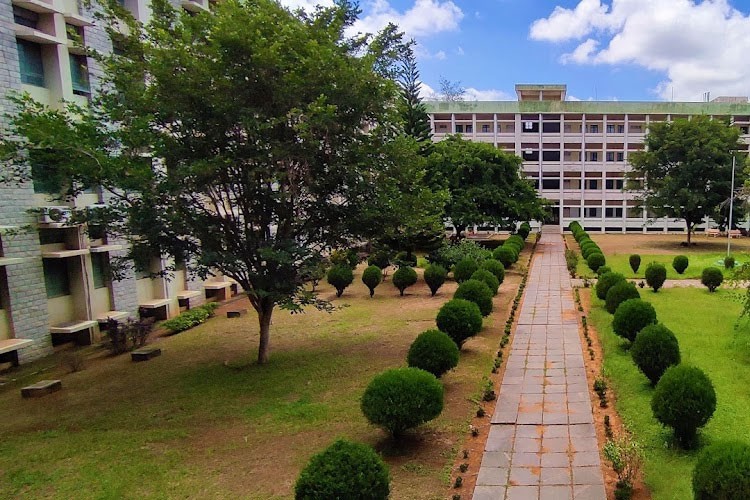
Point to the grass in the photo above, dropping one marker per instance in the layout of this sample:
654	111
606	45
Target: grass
620	263
203	420
704	324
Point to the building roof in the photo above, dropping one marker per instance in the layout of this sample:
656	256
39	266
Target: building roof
600	107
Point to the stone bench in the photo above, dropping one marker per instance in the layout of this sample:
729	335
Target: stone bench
236	313
9	349
145	353
82	330
41	388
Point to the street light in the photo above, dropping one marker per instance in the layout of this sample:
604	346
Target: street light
731	206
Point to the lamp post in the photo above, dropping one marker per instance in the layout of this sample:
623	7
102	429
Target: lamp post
731	206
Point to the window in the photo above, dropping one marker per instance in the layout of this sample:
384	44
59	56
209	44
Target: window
610	156
610	129
551	127
459	129
485	129
621	129
30	60
635	213
593	129
592	183
571	184
442	126
551	155
613	212
45	179
469	129
614	183
744	130
79	72
550	183
56	278
620	156
571	212
594	156
100	269
528	125
530	155
25	17
592	212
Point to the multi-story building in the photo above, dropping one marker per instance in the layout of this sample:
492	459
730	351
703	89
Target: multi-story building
576	152
54	279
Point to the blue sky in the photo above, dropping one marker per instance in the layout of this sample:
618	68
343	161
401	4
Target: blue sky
602	49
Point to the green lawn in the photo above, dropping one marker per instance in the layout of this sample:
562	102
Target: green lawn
697	262
704	324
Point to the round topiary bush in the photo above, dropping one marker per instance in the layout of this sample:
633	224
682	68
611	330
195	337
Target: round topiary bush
618	294
464	269
603	270
635	262
680	263
729	262
495	267
433	351
488	279
460	319
723	472
684	400
712	278
403	278
344	470
505	255
402	398
595	261
524	230
477	292
340	276
654	350
631	317
656	275
372	277
435	276
381	258
607	281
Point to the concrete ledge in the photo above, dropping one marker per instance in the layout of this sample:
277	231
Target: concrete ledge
145	353
116	315
41	388
236	313
13	344
217	285
188	294
155	304
72	326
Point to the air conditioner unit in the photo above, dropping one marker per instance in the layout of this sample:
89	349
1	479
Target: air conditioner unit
55	215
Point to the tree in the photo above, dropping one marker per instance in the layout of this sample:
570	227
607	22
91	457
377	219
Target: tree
484	183
255	118
416	122
685	170
451	91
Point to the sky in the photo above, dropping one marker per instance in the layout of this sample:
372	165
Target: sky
626	50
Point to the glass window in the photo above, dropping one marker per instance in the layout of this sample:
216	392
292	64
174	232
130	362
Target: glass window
592	183
621	129
469	129
614	183
592	212
610	156
551	155
620	156
25	17
613	212
45	179
594	128
594	156
100	269
56	278
459	129
79	72
610	129
30	59
485	129
635	213
550	183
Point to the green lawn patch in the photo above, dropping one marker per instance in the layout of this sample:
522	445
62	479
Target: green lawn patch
697	262
704	325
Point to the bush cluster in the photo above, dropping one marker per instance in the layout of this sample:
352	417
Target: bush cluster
680	264
712	278
477	292
632	316
340	276
723	472
488	279
655	349
449	255
656	275
619	293
381	258
460	319
506	255
403	278
435	276
523	230
433	351
405	259
496	268
190	318
402	398
607	281
344	470
372	277
595	260
346	257
463	270
590	251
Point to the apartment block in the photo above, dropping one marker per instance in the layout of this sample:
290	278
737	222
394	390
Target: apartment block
55	284
576	152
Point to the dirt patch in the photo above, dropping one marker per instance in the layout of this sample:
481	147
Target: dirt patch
659	244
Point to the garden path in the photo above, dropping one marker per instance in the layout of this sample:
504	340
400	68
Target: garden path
542	442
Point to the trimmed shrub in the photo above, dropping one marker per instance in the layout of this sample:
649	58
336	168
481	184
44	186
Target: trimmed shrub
495	267
729	262
190	318
372	277
607	281
435	276
488	279
631	317
405	259
449	255
723	472
595	261
524	230
460	319
505	255
684	400
655	349
656	275
403	278
477	292
381	258
464	269
680	263
603	270
618	294
635	262
340	276
517	241
402	398
433	351
344	470
712	278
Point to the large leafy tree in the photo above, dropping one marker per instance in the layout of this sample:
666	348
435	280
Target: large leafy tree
247	141
686	169
484	183
416	122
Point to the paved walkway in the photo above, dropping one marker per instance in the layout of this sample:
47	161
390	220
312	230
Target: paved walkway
542	444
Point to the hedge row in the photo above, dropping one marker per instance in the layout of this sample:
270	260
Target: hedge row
589	250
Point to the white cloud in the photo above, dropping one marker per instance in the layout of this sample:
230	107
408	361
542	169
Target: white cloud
698	46
423	19
571	98
460	51
473	94
440	55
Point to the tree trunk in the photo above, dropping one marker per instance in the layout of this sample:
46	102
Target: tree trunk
687	223
264	319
